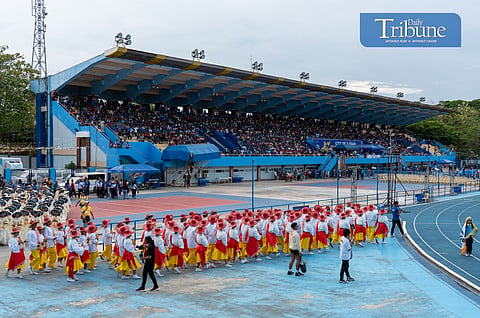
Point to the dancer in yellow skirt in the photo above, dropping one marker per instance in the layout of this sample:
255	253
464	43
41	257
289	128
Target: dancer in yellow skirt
107	241
175	255
33	239
202	245
50	241
74	263
220	251
92	245
210	233
381	226
371	219
129	261
189	234
61	244
271	233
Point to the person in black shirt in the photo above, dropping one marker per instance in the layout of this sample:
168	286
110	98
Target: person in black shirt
149	263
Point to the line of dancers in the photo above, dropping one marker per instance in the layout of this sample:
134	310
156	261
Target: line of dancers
199	241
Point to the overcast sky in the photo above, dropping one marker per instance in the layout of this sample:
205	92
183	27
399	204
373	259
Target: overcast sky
320	37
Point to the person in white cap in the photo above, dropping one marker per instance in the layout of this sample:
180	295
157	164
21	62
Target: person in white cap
469	230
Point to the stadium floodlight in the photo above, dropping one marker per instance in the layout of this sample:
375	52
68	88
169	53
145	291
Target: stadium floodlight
304	76
198	55
399	95
373	89
120	40
257	67
342	84
422	99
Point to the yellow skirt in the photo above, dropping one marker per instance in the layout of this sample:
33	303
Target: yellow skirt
173	261
243	249
280	241
208	254
320	245
77	265
35	262
43	258
359	236
371	233
263	249
191	256
219	255
305	243
272	249
124	266
62	253
92	259
107	252
231	253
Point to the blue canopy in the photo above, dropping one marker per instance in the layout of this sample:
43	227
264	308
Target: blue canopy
133	168
196	152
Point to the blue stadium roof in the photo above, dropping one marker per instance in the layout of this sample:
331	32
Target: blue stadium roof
143	77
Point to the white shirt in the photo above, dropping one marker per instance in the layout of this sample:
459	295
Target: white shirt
119	241
50	236
331	221
294	241
273	228
371	217
361	220
92	245
222	236
233	234
382	218
13	245
253	232
343	224
159	244
322	227
202	240
210	233
128	245
75	247
177	240
345	249
33	239
190	237
106	236
60	236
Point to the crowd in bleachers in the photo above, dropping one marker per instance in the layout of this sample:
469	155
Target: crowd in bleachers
262	134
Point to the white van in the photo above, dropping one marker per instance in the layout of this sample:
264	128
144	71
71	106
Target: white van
91	176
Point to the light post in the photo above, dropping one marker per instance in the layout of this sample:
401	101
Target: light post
253	184
198	55
400	95
120	40
342	84
257	67
422	99
373	90
304	76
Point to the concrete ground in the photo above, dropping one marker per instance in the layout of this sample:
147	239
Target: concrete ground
391	281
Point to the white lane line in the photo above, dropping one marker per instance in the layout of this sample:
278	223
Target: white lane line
445	236
433	250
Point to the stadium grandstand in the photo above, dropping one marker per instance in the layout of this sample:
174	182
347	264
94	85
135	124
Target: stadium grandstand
184	116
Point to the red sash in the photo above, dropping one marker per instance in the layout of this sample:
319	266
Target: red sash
201	252
159	258
252	246
271	239
59	247
219	246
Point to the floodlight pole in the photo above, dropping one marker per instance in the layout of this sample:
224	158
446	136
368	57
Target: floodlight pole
253	184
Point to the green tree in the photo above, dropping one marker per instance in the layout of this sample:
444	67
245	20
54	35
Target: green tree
17	119
460	129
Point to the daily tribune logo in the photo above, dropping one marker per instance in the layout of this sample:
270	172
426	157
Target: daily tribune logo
410	30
